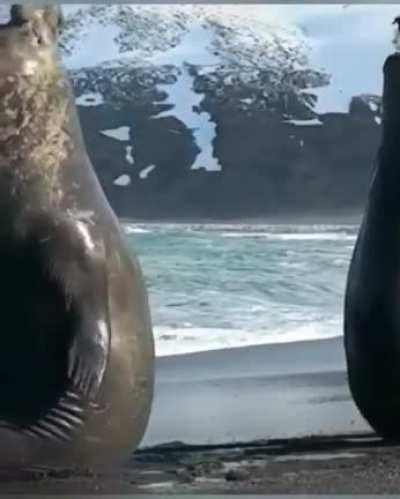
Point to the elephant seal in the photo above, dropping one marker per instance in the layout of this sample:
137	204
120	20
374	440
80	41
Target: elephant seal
372	301
76	347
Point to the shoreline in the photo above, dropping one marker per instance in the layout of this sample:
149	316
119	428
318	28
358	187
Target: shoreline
249	346
334	219
252	393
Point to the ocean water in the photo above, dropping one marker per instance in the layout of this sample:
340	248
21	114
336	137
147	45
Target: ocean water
224	286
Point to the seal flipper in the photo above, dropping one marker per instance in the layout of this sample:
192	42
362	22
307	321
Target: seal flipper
88	356
76	262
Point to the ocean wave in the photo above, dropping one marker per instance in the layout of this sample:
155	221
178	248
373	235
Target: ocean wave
244	228
135	229
181	341
208	292
313	236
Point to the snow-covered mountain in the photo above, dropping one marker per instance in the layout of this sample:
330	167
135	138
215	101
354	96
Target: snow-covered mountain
183	57
223	111
223	49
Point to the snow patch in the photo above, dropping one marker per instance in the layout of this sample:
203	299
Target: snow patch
313	122
184	99
195	48
115	35
90	99
123	180
122	133
143	174
97	44
373	106
128	156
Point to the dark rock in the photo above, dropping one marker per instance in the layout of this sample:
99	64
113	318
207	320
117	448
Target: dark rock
270	166
236	475
184	476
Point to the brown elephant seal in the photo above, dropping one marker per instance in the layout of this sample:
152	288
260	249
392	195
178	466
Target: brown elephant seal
76	349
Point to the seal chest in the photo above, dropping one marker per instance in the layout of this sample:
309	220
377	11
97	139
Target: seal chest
77	353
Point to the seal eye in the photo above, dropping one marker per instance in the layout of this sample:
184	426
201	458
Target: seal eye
38	37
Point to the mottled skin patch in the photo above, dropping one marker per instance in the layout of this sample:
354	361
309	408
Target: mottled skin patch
33	111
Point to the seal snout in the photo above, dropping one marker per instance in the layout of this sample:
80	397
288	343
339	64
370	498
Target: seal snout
40	25
28	42
50	15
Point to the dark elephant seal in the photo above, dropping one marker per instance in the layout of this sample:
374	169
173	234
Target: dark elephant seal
372	303
76	345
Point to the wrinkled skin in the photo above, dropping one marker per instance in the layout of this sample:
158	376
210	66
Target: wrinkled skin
76	349
372	305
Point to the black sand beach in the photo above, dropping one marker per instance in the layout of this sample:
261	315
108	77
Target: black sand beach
262	392
264	419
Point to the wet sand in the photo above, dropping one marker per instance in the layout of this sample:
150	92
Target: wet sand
274	391
265	419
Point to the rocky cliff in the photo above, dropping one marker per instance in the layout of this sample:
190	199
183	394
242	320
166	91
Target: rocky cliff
188	113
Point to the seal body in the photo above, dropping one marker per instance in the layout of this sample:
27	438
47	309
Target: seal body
372	302
76	345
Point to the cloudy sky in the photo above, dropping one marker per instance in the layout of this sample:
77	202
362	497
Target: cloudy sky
349	41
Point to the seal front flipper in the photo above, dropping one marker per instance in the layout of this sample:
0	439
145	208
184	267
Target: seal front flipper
76	261
88	354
